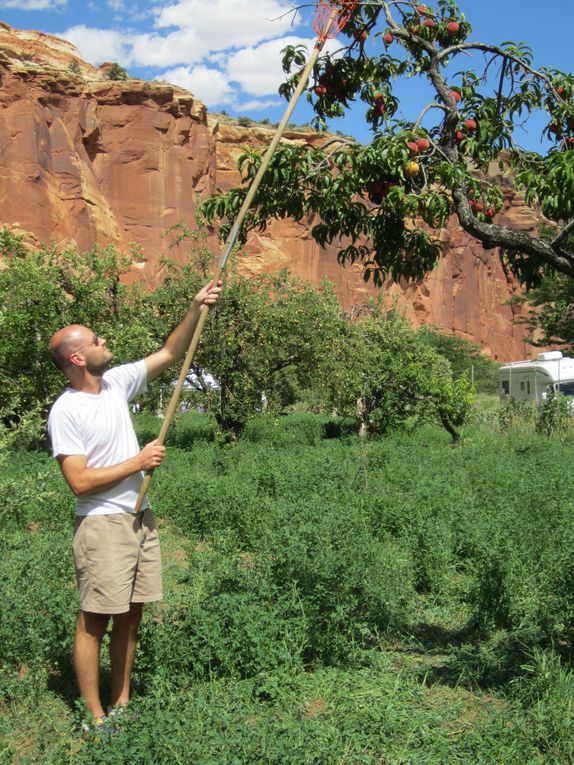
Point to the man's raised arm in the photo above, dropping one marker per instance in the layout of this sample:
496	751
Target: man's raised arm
179	340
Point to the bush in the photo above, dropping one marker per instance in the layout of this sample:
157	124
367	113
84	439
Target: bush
301	428
185	431
554	415
116	72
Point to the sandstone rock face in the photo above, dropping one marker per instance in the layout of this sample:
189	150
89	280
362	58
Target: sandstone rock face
88	160
85	160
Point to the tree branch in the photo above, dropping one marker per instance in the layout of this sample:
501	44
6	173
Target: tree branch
563	234
492	235
446	52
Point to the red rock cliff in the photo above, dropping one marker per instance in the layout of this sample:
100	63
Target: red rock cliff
87	160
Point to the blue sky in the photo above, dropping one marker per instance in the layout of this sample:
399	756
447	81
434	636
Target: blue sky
227	52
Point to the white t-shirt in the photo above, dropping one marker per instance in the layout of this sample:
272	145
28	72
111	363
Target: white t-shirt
99	426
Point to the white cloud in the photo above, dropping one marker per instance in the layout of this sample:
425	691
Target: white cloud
181	47
230	23
204	30
210	85
220	50
98	45
254	106
258	70
32	5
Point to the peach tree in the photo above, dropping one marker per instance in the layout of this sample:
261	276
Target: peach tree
384	202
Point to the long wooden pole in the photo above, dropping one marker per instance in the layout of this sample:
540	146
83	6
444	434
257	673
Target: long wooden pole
229	244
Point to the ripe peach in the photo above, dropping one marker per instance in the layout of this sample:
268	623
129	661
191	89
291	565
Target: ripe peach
388	38
413	147
423	144
411	169
470	125
453	28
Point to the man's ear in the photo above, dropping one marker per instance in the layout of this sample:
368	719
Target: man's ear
77	360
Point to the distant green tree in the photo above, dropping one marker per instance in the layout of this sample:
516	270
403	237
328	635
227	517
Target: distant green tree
384	371
116	72
464	357
74	66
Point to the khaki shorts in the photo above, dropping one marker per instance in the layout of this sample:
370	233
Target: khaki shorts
118	561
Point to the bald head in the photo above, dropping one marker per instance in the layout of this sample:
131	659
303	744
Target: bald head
64	342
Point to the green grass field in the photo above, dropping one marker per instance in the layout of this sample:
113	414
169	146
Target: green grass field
326	601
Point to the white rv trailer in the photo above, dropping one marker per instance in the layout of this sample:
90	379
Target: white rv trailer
531	380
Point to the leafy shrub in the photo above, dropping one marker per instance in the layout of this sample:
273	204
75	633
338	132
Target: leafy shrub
116	72
554	415
546	689
185	431
39	607
514	412
300	428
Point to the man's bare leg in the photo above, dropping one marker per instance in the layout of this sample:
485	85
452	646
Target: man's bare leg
90	631
123	643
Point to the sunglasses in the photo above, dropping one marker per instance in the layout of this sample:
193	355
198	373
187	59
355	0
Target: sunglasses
95	341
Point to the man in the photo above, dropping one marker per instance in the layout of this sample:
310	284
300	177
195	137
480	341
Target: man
116	552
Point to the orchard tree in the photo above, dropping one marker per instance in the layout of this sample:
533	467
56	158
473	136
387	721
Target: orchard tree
41	291
383	371
265	344
383	203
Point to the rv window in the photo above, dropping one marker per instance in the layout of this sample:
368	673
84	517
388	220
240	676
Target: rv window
566	388
528	387
505	387
522	385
